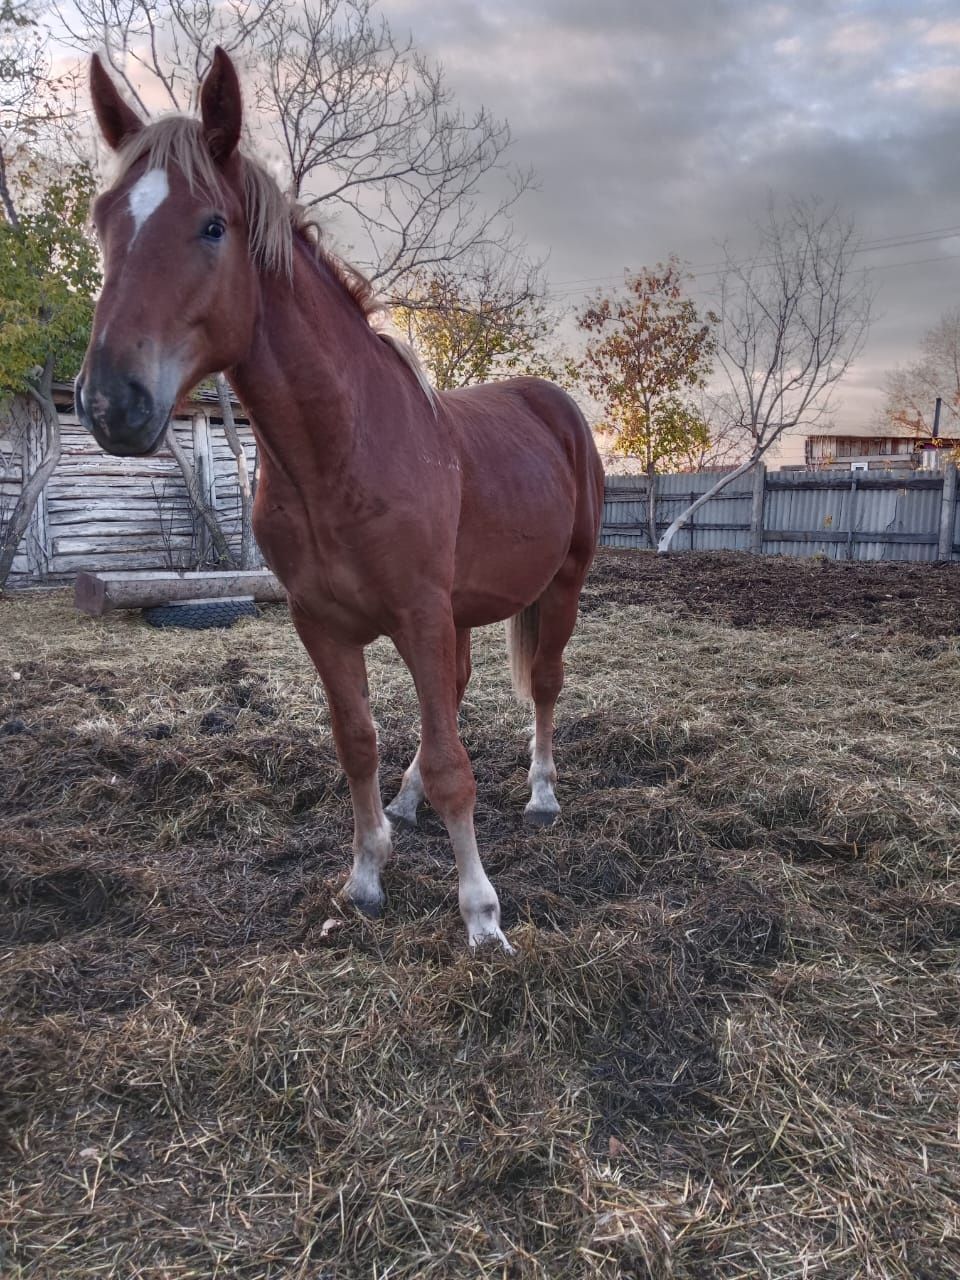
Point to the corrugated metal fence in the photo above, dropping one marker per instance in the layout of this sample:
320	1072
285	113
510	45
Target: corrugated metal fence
856	515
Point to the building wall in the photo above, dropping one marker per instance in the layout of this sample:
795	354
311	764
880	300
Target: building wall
788	451
100	513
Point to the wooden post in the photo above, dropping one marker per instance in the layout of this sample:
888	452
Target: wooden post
36	540
948	512
206	476
756	507
851	520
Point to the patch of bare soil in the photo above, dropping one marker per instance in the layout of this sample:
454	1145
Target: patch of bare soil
725	1050
780	591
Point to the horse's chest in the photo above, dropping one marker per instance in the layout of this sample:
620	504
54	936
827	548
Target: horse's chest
321	576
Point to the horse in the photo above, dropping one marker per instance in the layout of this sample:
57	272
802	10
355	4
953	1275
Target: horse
384	507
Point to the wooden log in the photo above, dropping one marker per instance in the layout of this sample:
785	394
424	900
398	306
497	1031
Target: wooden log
98	593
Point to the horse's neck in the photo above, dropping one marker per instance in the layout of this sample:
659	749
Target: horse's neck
303	381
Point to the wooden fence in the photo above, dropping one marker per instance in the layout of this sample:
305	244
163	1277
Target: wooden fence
844	515
101	513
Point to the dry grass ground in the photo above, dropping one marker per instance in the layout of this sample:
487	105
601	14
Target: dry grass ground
727	1048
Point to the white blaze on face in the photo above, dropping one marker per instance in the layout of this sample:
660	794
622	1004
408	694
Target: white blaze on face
145	197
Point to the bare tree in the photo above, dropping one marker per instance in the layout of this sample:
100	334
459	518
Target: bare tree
159	49
37	109
912	391
367	126
792	320
370	130
723	444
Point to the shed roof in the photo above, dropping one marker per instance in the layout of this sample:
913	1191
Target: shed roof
202	395
874	431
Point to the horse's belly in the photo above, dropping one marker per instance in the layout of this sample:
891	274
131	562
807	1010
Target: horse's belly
499	574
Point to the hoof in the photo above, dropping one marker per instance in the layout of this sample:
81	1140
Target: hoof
370	905
540	817
400	818
492	938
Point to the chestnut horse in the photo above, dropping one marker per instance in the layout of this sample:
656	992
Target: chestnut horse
383	507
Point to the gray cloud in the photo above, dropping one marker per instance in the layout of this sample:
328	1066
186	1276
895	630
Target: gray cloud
659	129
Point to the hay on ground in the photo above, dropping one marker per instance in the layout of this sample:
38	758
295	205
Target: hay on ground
727	1047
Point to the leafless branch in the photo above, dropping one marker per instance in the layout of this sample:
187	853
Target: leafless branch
912	391
369	131
792	320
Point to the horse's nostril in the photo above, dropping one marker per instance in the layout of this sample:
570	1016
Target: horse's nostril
139	404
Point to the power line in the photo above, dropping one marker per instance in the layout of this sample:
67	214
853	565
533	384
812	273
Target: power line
883	242
707	269
912	262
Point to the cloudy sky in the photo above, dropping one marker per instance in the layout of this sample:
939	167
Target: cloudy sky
660	128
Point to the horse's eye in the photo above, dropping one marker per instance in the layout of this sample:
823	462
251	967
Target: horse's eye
214	230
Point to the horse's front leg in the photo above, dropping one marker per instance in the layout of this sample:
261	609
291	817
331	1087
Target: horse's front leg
429	645
344	675
403	807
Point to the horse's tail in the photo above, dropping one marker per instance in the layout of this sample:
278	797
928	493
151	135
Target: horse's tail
523	631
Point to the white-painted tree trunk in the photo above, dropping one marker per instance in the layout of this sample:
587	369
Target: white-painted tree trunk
669	533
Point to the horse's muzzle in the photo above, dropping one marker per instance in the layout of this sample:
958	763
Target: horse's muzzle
121	414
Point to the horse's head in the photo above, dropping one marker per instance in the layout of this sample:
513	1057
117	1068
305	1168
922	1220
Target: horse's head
180	283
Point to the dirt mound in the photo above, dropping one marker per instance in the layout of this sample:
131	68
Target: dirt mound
780	591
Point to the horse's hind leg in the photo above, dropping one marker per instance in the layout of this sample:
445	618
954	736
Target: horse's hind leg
557	609
403	807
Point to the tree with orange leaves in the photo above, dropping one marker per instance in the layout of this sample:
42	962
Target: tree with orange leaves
651	348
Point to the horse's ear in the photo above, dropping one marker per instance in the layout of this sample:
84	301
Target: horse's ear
117	121
221	107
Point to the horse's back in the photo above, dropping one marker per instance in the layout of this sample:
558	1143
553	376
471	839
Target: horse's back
532	434
518	419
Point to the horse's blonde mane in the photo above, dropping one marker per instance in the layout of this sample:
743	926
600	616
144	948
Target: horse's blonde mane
272	218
